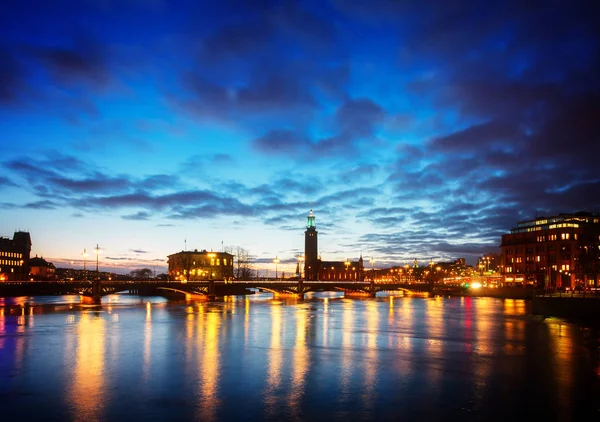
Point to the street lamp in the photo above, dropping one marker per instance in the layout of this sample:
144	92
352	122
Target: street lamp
347	263
276	261
431	264
300	260
406	278
372	268
97	249
84	261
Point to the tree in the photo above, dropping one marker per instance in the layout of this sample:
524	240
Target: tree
242	267
141	274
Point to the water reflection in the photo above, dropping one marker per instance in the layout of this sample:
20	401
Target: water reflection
275	363
323	358
346	352
147	343
209	362
88	380
561	355
372	354
299	362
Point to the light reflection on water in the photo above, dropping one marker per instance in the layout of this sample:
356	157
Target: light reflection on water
327	357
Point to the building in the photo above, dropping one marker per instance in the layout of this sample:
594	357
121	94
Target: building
14	257
341	270
311	250
200	266
40	269
553	252
316	269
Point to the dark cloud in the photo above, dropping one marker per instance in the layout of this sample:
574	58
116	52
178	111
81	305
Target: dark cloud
41	205
281	142
358	117
6	182
12	79
83	61
138	251
138	216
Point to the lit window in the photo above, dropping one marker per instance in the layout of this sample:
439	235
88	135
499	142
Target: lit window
224	261
218	261
212	261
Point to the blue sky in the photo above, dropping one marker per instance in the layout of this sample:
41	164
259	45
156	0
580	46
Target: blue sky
413	129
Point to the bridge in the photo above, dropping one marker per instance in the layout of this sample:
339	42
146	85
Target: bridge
201	289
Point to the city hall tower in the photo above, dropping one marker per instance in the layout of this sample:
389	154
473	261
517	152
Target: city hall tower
311	254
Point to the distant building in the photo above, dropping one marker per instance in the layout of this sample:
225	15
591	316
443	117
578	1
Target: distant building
200	266
488	263
316	269
14	257
553	252
40	269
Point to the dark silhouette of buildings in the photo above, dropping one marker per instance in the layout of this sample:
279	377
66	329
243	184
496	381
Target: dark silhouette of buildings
14	257
200	266
553	252
316	269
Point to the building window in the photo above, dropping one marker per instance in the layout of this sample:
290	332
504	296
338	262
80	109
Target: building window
564	236
212	261
218	261
224	261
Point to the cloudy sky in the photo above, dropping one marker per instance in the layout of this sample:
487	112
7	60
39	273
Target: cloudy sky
412	128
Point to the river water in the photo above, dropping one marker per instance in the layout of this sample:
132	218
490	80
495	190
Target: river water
324	358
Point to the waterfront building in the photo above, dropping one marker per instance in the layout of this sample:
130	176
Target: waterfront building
316	269
200	266
14	257
40	269
561	251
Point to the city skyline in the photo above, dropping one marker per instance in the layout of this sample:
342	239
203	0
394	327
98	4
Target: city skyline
412	131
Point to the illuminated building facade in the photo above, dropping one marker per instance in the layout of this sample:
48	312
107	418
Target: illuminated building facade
40	269
14	257
315	269
555	252
200	266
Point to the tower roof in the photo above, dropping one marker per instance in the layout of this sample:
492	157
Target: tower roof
310	220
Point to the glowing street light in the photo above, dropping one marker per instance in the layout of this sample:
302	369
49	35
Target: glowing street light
431	264
372	261
85	254
276	261
97	249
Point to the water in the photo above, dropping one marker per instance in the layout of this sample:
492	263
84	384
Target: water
324	358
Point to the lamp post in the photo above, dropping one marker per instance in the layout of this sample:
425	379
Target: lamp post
406	273
300	260
431	263
97	249
276	261
347	263
84	261
372	268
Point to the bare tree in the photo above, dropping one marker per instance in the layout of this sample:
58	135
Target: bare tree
243	262
141	274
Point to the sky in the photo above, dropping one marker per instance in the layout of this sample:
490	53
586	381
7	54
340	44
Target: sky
413	129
